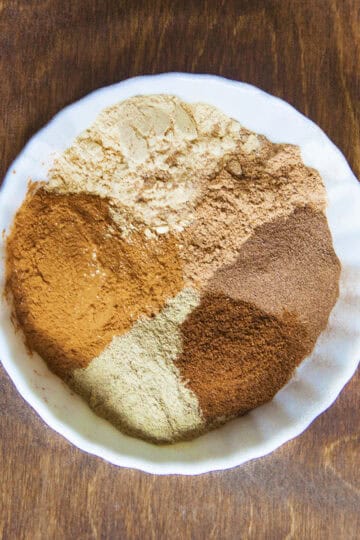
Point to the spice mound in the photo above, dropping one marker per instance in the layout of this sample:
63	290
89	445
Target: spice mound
174	268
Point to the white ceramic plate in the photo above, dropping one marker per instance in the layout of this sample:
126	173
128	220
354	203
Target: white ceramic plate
320	377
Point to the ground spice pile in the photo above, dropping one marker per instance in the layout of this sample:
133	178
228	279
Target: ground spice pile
236	356
175	268
76	283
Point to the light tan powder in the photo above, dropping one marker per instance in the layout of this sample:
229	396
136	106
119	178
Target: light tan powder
135	384
263	182
150	154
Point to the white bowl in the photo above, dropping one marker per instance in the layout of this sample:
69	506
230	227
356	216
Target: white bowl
318	380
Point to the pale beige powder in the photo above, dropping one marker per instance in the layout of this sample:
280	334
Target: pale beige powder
135	384
149	154
265	181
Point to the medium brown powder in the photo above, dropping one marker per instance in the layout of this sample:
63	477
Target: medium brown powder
287	264
76	282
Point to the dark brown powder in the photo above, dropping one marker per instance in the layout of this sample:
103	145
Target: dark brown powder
76	282
235	356
261	316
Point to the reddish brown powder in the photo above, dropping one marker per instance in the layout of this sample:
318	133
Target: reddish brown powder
261	316
235	356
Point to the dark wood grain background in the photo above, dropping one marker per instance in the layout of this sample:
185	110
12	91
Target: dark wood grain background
52	52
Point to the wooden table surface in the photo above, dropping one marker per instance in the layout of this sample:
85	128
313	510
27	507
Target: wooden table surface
52	53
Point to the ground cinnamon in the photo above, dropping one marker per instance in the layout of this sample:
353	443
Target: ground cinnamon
76	282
